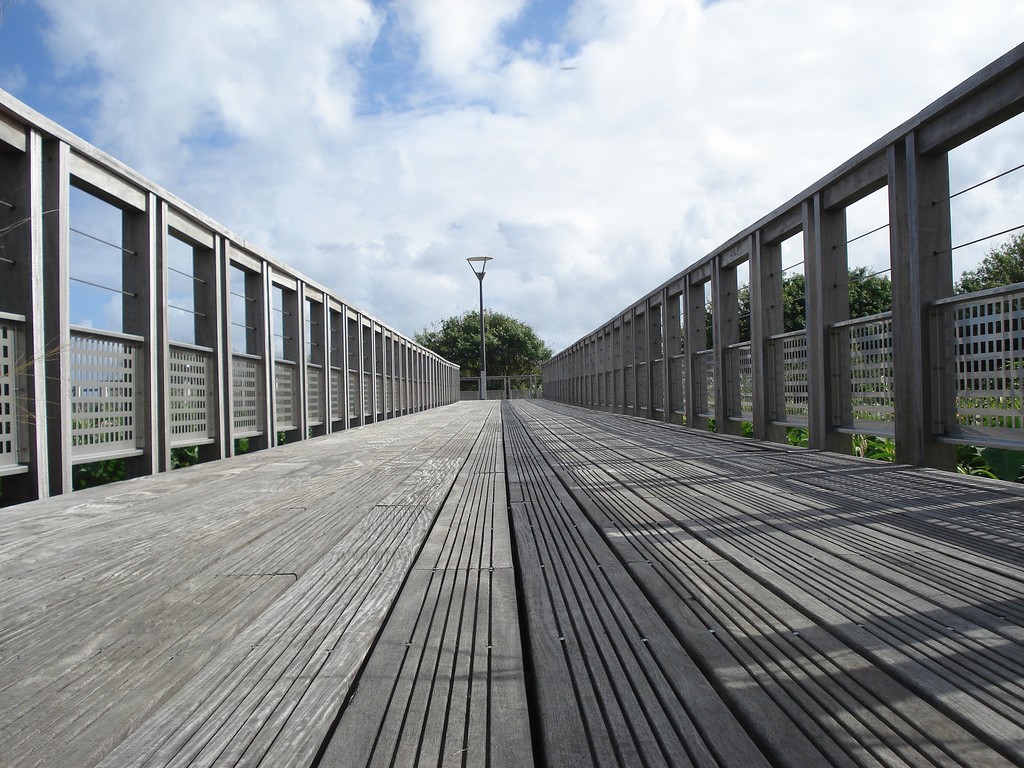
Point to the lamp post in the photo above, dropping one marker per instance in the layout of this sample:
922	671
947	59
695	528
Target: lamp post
482	261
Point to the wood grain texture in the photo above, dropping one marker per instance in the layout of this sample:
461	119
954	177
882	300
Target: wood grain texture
213	615
870	611
445	683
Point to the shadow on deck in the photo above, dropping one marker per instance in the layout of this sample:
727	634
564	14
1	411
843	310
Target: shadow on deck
517	584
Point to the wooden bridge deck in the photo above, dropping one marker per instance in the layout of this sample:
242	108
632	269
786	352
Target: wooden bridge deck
517	585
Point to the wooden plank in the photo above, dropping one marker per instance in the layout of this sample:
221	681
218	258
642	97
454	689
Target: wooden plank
129	596
655	705
445	682
901	675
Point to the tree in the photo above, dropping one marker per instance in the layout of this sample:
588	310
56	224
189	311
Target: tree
869	295
513	347
1004	265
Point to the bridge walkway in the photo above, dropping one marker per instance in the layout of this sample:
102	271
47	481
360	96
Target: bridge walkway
515	585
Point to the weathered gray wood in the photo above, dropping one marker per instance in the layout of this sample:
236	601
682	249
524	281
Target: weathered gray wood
133	602
911	160
637	690
445	682
922	271
889	632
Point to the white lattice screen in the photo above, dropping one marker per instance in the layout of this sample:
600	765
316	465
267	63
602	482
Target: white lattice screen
8	396
658	384
189	396
677	384
704	370
642	385
870	375
353	394
984	363
103	402
380	394
336	374
787	355
314	391
739	368
246	396
367	394
284	393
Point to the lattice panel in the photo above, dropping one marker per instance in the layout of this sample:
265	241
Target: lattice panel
189	396
658	384
872	405
985	365
677	384
285	393
8	396
367	394
380	394
741	381
246	397
336	380
790	401
704	371
314	393
103	403
353	394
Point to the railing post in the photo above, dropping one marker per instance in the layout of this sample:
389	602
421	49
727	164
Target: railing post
695	333
139	268
212	331
265	328
922	272
826	282
647	345
666	363
56	196
22	292
161	344
726	332
766	320
675	399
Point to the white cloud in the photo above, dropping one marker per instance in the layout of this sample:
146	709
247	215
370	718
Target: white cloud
677	126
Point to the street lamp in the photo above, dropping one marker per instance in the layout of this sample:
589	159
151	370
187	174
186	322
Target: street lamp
482	261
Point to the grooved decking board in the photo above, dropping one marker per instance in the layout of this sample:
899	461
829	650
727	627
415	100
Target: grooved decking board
213	615
445	682
881	615
613	686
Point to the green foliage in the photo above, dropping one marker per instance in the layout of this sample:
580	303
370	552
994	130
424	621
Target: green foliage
184	457
869	295
1004	463
97	473
798	436
513	347
241	445
872	447
1004	265
971	461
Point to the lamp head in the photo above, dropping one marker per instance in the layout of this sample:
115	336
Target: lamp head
482	261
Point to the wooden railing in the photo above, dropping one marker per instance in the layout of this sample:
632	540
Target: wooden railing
522	387
788	399
980	340
207	340
11	378
938	369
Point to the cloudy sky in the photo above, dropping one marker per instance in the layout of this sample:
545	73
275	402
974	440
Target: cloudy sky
593	148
